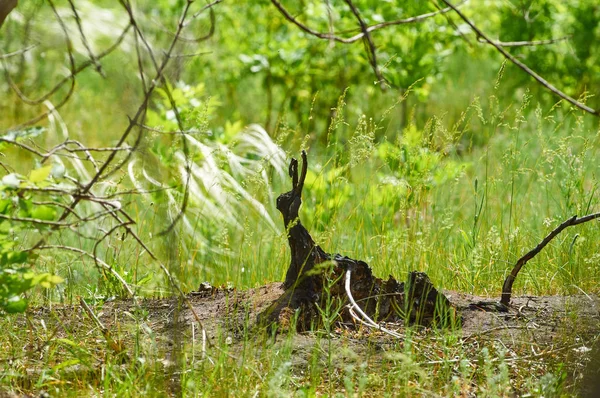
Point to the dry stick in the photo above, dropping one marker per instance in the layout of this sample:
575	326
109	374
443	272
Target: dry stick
506	360
211	30
126	225
510	279
190	55
200	11
494	329
73	73
112	155
85	190
116	346
520	64
198	39
181	25
22	146
55	224
143	106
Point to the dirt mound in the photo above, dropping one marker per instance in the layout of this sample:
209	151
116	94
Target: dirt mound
233	312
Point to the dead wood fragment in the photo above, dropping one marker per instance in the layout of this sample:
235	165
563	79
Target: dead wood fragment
6	6
114	344
314	274
510	279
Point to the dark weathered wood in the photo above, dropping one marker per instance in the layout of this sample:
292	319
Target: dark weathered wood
314	274
6	6
305	253
510	279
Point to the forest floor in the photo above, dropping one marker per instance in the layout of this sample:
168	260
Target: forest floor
536	334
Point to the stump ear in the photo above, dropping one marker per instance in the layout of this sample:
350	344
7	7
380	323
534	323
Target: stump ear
302	174
293	172
298	184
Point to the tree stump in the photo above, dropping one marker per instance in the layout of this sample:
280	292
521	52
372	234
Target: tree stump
315	280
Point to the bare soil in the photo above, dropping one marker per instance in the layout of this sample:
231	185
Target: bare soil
230	312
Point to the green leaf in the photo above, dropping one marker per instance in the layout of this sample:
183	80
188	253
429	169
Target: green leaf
15	304
64	364
4	205
50	281
43	212
25	207
40	175
13	257
68	342
5	228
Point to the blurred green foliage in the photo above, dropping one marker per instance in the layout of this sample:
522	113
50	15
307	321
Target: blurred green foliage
270	72
20	214
447	100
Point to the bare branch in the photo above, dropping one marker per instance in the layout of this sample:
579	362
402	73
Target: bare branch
18	52
525	43
37	221
510	279
520	64
71	61
369	44
84	40
115	345
200	11
71	78
22	146
211	30
190	55
352	39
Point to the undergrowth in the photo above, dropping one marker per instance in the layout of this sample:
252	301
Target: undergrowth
426	198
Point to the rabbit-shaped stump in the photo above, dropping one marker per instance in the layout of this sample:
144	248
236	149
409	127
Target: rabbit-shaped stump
314	274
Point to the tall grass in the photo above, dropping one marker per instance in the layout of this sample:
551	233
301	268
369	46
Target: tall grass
425	198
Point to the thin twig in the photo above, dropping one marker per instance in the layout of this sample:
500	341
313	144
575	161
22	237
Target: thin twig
355	38
61	83
532	43
18	52
37	221
116	346
84	40
69	45
22	146
369	44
